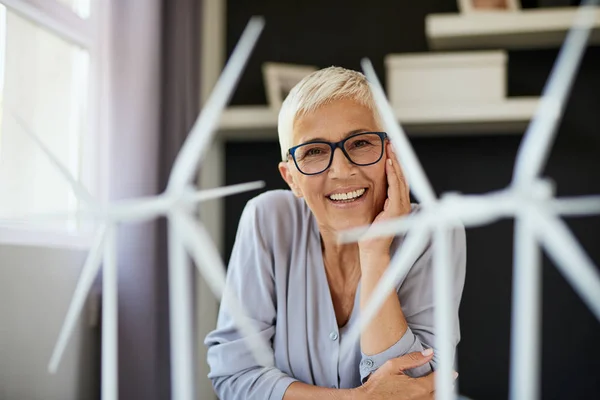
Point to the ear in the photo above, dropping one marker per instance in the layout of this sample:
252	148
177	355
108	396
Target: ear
286	174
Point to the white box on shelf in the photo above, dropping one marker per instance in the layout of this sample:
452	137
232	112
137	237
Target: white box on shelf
446	78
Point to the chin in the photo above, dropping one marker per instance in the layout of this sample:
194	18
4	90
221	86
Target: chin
350	214
340	224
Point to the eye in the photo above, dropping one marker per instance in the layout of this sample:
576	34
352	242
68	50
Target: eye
360	143
313	152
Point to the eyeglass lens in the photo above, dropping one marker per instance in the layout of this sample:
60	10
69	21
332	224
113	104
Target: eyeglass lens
363	149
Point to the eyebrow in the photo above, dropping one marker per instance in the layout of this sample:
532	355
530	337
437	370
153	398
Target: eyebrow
319	139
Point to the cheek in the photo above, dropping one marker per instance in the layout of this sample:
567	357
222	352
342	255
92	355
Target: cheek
310	186
381	192
380	180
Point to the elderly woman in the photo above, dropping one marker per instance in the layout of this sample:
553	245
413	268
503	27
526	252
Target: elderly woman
302	288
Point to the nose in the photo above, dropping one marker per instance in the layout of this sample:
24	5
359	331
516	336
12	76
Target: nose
341	167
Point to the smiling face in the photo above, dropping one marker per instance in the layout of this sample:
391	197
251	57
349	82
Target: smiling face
345	195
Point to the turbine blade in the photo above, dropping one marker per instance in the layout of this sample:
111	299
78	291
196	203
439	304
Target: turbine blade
140	209
208	260
143	208
537	142
391	227
80	191
469	210
86	279
576	206
181	316
570	258
215	193
442	283
110	317
526	317
197	142
43	217
400	265
419	184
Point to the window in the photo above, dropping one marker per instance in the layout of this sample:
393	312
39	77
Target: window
80	7
46	84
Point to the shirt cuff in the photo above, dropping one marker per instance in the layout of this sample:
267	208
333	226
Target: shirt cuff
280	387
408	343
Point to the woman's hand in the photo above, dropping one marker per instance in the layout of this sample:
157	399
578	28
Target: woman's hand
390	382
396	204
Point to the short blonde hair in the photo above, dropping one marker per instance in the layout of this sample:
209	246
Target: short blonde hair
317	89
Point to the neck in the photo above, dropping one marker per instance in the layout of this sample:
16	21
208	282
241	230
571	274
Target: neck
341	258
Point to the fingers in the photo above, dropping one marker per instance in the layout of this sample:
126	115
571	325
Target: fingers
409	361
398	169
391	154
398	188
394	189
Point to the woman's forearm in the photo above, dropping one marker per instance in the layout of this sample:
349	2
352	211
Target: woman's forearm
303	391
389	324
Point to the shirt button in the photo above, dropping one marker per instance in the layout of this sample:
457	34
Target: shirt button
367	363
333	336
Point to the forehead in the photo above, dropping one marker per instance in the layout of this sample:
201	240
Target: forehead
333	122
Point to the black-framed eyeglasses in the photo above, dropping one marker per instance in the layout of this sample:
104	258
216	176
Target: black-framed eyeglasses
361	149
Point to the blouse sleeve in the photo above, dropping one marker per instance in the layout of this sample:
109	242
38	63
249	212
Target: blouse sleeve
233	371
417	300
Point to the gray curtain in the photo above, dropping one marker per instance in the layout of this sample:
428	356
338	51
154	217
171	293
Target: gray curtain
135	132
180	103
154	58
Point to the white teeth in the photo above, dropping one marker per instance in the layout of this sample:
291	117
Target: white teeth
347	196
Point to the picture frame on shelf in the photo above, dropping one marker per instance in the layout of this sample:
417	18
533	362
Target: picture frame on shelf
473	6
280	78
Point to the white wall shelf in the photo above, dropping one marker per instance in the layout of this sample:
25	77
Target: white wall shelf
525	29
510	116
249	117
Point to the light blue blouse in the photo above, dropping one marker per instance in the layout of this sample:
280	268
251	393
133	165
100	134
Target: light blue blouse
276	269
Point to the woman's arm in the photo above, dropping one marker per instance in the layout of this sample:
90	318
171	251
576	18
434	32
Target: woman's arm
405	322
303	391
417	298
233	370
389	325
388	383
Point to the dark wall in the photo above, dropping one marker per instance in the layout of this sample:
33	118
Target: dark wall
341	32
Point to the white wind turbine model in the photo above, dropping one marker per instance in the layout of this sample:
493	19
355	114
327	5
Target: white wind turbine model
186	236
529	199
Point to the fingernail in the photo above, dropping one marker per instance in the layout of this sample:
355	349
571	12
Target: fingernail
389	161
455	374
427	352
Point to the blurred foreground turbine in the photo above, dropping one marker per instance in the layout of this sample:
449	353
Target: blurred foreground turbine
529	199
186	237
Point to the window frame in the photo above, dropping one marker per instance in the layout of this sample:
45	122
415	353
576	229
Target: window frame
91	34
